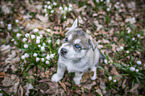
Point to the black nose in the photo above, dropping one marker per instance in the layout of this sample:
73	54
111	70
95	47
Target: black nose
63	51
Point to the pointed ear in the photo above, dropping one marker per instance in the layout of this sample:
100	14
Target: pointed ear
74	26
93	44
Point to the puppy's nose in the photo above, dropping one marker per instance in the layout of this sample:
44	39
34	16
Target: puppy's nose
63	51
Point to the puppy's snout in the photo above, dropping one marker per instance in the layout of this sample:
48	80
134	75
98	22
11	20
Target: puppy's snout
63	51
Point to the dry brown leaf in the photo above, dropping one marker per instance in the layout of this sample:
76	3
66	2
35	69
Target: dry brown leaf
134	87
2	74
114	72
63	85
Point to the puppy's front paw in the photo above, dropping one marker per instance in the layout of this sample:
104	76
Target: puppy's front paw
77	80
56	78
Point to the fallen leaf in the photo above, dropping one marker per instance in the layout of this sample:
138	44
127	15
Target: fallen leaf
63	85
2	74
134	87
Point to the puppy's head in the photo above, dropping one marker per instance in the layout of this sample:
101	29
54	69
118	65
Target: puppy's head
76	44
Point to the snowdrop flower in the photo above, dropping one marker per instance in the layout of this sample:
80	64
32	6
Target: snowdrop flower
101	0
58	41
37	41
138	35
108	9
128	31
64	17
26	55
1	22
41	36
42	59
110	77
65	8
39	45
48	30
9	26
45	10
24	39
32	36
18	35
69	9
35	30
35	54
136	70
127	51
108	1
139	62
132	69
45	6
52	11
48	2
42	48
49	7
25	46
121	47
70	5
114	80
60	8
17	21
23	57
46	15
133	38
27	35
38	37
49	41
105	61
44	44
37	59
97	1
13	40
54	3
48	57
52	55
47	62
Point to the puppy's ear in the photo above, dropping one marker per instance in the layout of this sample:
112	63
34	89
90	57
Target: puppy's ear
74	26
93	44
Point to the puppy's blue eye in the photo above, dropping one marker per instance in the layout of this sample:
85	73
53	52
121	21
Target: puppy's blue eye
77	46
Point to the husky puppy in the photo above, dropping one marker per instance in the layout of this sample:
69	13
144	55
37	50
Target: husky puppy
78	54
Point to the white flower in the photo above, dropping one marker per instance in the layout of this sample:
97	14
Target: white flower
37	41
60	8
48	30
52	11
133	38
32	36
41	36
110	77
138	35
136	70
97	1
48	57
121	47
13	40
65	8
18	35
58	41
26	55
52	55
42	59
108	9
70	5
23	56
101	0
132	69
45	6
1	22
35	30
42	48
37	59
114	80
49	7
127	51
48	2
24	39
35	54
47	62
108	1
44	44
139	62
69	9
17	21
25	46
128	31
105	61
27	35
49	41
54	3
9	25
38	37
39	45
46	15
45	10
